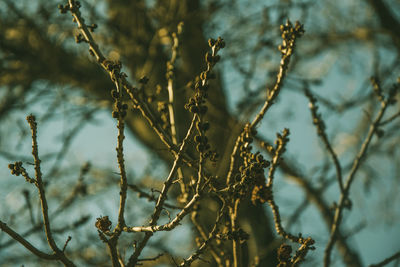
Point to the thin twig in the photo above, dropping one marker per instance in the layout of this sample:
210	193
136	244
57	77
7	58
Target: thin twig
168	226
215	251
356	164
386	261
39	183
314	196
188	261
122	171
171	82
287	50
320	125
162	197
393	117
18	169
26	244
150	197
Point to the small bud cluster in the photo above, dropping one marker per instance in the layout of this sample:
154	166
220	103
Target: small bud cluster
114	69
63	8
142	90
120	109
216	44
280	142
246	138
16	168
143	80
170	71
76	5
92	27
238	235
201	141
262	192
253	173
31	119
284	255
301	253
252	178
196	103
79	38
285	258
103	224
289	35
377	88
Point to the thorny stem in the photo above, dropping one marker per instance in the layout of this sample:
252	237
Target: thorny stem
344	196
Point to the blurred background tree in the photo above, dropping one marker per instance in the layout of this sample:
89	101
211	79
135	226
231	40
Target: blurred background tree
43	71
